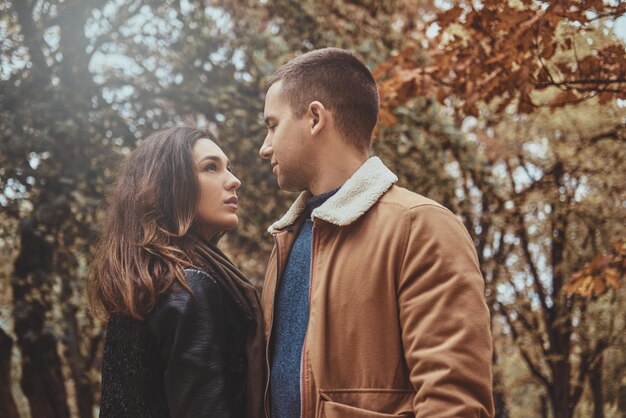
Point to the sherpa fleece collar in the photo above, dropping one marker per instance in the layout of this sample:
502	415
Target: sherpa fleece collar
354	198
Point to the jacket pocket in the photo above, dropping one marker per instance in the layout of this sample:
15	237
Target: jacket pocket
365	403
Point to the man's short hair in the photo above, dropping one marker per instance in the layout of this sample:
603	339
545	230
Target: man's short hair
338	80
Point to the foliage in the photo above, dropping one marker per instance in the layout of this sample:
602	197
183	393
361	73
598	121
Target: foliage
600	274
501	52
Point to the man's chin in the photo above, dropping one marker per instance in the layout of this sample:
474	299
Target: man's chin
287	186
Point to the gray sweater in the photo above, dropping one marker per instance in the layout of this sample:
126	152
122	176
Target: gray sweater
291	317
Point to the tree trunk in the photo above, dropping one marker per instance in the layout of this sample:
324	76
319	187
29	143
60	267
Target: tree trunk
78	366
8	408
559	393
621	399
595	382
42	378
75	360
498	394
544	406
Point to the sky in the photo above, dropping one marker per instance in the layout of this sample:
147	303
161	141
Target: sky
620	27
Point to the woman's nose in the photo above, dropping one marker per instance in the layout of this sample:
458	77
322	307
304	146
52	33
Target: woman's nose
233	182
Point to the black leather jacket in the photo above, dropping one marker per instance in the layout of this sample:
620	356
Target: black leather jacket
187	359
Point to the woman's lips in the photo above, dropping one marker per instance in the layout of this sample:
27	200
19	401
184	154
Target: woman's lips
232	202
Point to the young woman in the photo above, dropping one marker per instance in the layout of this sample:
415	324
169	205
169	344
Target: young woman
184	334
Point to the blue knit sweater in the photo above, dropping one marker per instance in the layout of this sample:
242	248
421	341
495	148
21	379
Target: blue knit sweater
291	317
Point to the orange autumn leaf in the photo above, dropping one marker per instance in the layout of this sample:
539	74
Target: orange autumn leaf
449	16
599	275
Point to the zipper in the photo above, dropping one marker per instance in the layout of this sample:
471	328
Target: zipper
302	379
269	334
302	375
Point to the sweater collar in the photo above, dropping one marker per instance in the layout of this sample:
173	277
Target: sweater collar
357	195
314	202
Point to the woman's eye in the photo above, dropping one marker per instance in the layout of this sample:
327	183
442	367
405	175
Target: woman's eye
210	167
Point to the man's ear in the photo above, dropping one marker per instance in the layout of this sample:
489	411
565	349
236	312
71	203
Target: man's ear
318	117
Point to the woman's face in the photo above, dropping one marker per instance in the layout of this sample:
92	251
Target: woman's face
217	204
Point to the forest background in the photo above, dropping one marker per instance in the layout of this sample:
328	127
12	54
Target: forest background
512	113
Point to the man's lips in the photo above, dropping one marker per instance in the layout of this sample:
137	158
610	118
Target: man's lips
274	165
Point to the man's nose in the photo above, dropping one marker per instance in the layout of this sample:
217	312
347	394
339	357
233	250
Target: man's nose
266	149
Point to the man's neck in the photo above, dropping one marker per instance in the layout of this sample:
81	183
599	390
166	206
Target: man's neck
333	173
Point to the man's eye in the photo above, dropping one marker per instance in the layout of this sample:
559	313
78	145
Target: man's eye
271	127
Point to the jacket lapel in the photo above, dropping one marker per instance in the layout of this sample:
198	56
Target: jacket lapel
358	194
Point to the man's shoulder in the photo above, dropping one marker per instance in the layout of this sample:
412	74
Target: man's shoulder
405	199
424	214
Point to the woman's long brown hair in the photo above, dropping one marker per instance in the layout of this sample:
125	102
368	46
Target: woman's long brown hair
146	239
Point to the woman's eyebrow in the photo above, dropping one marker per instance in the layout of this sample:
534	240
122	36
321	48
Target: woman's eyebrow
213	158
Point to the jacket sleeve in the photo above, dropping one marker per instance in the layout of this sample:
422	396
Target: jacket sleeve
444	318
190	335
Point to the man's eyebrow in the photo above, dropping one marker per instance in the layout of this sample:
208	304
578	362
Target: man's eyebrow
269	119
213	158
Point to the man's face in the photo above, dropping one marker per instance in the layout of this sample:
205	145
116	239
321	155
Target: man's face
287	144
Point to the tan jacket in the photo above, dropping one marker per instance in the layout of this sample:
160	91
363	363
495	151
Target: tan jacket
398	325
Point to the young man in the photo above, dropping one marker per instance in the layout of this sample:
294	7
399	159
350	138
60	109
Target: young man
373	298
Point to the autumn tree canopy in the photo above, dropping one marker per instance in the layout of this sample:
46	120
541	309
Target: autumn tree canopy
505	52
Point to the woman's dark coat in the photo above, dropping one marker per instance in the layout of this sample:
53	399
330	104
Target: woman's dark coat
187	359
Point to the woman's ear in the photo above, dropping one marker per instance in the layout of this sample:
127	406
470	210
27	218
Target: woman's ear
318	117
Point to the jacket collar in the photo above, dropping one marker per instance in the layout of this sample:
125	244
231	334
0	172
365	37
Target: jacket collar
357	195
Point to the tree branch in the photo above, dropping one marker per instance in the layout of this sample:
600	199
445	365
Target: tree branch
32	37
589	81
525	245
615	134
533	368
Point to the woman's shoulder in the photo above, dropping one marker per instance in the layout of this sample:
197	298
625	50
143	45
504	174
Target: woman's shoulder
203	283
196	274
201	294
200	280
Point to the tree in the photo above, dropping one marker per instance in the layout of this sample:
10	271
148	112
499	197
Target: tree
558	55
599	277
49	158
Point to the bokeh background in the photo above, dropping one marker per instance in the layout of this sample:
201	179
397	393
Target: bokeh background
512	113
